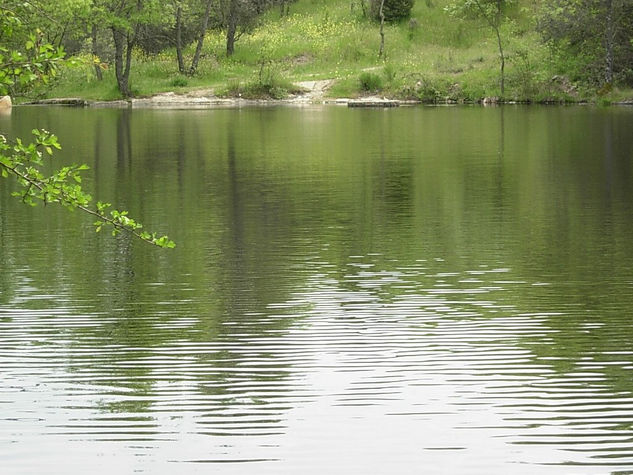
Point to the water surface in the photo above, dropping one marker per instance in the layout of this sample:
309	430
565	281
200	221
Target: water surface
420	290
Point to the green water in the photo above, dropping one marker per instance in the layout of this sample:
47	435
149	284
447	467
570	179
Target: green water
413	290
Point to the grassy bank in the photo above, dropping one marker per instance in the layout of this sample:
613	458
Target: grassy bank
432	57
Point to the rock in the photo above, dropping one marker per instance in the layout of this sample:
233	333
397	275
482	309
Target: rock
60	101
373	102
5	103
487	101
564	85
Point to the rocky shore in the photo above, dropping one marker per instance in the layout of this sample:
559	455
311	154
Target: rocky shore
314	93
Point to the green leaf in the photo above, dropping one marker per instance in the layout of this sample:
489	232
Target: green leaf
62	186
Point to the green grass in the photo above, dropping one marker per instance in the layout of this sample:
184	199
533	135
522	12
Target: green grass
433	57
267	85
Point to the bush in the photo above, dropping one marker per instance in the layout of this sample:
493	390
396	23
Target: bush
256	90
179	82
389	72
394	10
370	82
268	85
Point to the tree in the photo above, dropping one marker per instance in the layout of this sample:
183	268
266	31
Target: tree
393	10
58	20
381	13
201	34
123	22
596	34
179	44
26	58
238	14
360	3
233	16
228	13
284	7
492	12
25	161
126	20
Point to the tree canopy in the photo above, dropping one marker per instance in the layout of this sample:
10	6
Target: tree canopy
598	33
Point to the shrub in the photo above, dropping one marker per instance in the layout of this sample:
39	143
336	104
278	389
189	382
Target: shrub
370	82
178	82
389	72
394	10
268	85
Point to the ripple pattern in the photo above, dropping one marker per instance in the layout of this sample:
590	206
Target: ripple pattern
373	371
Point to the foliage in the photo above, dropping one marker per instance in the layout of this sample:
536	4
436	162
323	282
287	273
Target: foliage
591	37
326	40
394	10
238	17
179	82
60	22
34	61
159	34
25	162
370	82
389	73
268	85
127	20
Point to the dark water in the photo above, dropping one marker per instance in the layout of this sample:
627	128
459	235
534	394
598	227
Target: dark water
421	290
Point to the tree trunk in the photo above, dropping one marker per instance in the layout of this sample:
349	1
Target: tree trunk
381	52
128	60
181	61
203	31
494	21
609	40
284	8
122	74
502	58
231	28
97	64
230	39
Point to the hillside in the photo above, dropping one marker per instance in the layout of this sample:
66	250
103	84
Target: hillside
433	56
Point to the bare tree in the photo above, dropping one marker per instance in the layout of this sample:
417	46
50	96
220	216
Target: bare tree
201	35
491	11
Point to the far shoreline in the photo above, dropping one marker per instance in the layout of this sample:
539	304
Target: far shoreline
311	92
174	101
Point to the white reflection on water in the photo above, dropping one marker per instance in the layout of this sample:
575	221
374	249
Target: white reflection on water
434	376
429	290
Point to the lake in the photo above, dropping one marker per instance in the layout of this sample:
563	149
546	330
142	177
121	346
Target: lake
353	291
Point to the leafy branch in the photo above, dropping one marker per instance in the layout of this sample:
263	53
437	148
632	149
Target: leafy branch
38	63
23	161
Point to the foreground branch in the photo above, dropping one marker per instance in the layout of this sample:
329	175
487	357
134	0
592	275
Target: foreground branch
63	187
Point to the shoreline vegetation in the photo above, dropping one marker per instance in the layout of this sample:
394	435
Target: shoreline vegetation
164	101
193	100
432	57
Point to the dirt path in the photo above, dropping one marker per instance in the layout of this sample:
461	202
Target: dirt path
316	89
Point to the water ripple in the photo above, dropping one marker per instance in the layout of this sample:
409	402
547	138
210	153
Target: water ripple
322	365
